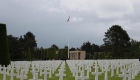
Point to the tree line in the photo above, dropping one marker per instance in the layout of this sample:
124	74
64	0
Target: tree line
117	45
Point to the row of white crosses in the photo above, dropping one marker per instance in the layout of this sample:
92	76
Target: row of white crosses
128	68
45	68
9	71
22	69
61	71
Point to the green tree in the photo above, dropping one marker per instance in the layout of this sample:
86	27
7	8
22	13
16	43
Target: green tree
55	46
87	47
118	39
15	49
29	41
66	47
51	53
72	49
94	48
59	54
135	49
64	53
29	55
96	55
4	50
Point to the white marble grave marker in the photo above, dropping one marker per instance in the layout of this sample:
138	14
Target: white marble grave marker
4	73
11	74
106	71
22	76
61	74
36	77
96	73
82	77
124	75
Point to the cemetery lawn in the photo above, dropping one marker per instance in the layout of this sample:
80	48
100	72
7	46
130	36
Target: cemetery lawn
70	77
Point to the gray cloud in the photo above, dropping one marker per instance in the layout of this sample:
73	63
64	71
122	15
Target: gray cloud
89	20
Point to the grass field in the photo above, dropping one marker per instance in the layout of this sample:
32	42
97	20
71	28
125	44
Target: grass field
70	77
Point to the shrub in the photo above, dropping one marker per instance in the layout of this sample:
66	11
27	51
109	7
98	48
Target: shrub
4	49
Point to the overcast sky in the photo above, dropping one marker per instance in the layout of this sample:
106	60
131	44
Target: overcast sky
89	19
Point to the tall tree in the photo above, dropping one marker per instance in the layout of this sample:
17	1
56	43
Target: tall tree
72	49
29	58
94	48
66	47
118	39
4	50
15	49
55	46
29	41
135	49
87	47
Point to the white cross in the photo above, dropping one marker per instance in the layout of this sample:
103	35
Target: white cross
17	70
61	74
82	77
11	74
45	73
88	68
36	77
96	73
4	73
22	76
112	70
106	71
0	69
124	75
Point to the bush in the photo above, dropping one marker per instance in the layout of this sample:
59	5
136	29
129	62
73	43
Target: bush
4	49
87	55
59	53
91	56
96	55
51	53
110	55
64	53
29	55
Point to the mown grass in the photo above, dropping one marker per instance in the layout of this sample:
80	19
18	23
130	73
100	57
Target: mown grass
70	77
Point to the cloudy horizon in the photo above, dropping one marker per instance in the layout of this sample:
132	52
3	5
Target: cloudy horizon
89	19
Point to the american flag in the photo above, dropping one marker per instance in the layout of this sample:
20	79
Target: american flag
68	19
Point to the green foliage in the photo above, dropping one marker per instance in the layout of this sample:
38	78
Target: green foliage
72	49
106	57
56	56
110	54
91	56
29	55
101	55
88	55
55	46
59	53
29	41
64	53
51	53
90	48
86	46
117	40
46	53
96	55
15	50
4	50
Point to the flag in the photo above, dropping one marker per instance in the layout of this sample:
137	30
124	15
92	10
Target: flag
68	19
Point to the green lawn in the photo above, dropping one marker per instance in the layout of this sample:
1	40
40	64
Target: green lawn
70	77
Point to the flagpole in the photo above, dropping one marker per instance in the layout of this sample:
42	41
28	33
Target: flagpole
68	41
68	46
68	37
